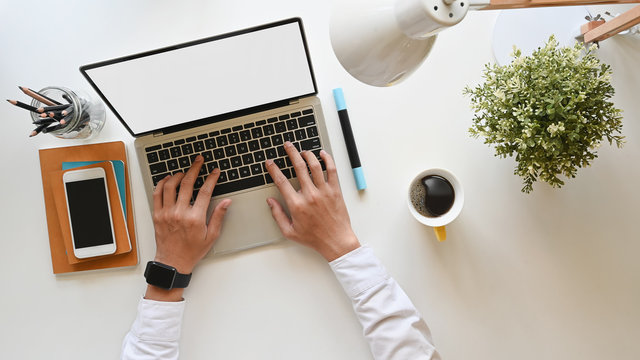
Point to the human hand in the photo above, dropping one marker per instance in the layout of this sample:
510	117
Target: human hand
319	217
182	234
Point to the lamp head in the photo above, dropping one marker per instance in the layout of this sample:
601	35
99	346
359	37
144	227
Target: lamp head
381	42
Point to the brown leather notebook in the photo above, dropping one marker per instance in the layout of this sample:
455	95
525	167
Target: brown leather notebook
50	162
121	233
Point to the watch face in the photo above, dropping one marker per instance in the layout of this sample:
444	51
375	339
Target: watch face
160	276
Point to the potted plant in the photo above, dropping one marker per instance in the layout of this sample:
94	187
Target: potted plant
550	110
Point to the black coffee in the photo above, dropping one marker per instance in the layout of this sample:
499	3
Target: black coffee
432	196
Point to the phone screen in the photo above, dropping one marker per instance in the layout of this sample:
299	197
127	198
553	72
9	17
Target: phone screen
89	212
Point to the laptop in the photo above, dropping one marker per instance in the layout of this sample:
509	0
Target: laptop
233	98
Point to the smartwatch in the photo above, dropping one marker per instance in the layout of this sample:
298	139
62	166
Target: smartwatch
165	276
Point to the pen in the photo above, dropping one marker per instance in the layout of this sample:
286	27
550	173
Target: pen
352	150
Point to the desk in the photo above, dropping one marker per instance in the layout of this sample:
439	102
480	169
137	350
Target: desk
551	275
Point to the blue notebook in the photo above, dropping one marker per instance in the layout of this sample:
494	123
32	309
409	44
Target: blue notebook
118	168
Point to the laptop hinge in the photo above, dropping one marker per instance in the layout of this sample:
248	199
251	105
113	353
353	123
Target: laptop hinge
159	133
294	101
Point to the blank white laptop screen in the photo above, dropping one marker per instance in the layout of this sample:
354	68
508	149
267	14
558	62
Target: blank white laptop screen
206	79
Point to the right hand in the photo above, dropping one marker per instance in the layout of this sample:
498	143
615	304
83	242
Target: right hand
319	217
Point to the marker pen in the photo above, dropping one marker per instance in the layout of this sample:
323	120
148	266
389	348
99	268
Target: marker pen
352	150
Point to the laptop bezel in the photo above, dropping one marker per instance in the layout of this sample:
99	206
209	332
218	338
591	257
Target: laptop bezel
211	119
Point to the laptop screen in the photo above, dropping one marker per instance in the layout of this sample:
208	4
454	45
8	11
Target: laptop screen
205	78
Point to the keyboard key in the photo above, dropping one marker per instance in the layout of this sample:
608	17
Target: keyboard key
310	144
224	164
234	138
237	128
230	150
233	174
254	145
198	146
312	131
256	132
268	130
247	159
158	168
222	140
306	120
203	171
199	182
242	184
249	125
178	142
222	178
218	153
208	156
156	178
296	114
271	153
288	161
281	151
175	152
210	143
152	157
236	161
256	169
288	136
244	171
292	124
187	149
272	120
261	122
283	117
297	146
280	127
164	154
287	173
265	143
225	131
280	163
214	133
300	134
192	157
191	139
173	164
202	136
184	162
242	148
153	148
307	111
277	140
212	165
167	145
268	178
245	135
259	156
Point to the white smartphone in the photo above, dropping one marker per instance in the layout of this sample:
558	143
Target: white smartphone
89	212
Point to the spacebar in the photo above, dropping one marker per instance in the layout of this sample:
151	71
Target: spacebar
238	185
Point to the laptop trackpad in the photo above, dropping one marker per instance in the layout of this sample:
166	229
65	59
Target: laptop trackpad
248	222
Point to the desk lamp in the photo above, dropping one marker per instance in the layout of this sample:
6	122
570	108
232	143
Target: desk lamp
381	42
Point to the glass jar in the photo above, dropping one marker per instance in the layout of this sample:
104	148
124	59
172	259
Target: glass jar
85	118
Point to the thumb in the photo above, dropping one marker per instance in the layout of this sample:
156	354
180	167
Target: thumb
215	221
281	218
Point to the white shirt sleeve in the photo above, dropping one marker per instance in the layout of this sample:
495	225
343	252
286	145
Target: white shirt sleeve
155	332
392	326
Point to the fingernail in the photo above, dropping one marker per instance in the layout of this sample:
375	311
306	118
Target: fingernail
287	143
322	152
269	162
269	203
226	204
199	157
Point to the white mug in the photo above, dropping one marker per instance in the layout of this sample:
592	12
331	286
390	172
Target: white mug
438	222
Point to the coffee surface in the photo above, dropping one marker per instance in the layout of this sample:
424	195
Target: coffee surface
432	196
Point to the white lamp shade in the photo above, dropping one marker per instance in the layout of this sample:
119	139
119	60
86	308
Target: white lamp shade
381	42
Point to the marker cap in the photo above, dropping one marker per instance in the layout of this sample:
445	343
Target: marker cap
358	174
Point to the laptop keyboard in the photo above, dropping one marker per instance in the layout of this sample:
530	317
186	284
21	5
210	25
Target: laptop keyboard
239	152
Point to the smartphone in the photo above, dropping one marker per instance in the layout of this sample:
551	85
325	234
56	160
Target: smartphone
89	212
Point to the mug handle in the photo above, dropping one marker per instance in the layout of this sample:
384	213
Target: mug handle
441	233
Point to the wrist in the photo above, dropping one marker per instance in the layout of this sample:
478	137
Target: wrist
339	248
160	294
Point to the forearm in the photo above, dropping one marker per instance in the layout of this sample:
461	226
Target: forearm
392	326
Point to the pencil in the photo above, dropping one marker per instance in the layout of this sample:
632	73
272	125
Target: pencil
43	121
22	105
67	111
38	130
66	97
53	108
36	95
52	128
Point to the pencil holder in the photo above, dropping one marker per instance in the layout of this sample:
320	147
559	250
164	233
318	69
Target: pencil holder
83	119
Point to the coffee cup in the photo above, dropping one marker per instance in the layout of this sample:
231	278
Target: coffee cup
435	199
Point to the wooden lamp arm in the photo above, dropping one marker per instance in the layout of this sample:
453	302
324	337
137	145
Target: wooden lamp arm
520	4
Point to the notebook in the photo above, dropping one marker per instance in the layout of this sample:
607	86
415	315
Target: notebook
235	98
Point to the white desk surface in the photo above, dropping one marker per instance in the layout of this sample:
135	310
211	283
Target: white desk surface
550	275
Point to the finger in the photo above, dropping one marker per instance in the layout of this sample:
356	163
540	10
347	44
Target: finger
157	194
298	164
332	172
170	186
314	166
287	191
282	220
215	222
204	195
186	185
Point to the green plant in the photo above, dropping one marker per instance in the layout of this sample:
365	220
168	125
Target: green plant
550	109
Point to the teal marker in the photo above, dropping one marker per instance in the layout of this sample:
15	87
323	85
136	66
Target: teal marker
352	150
